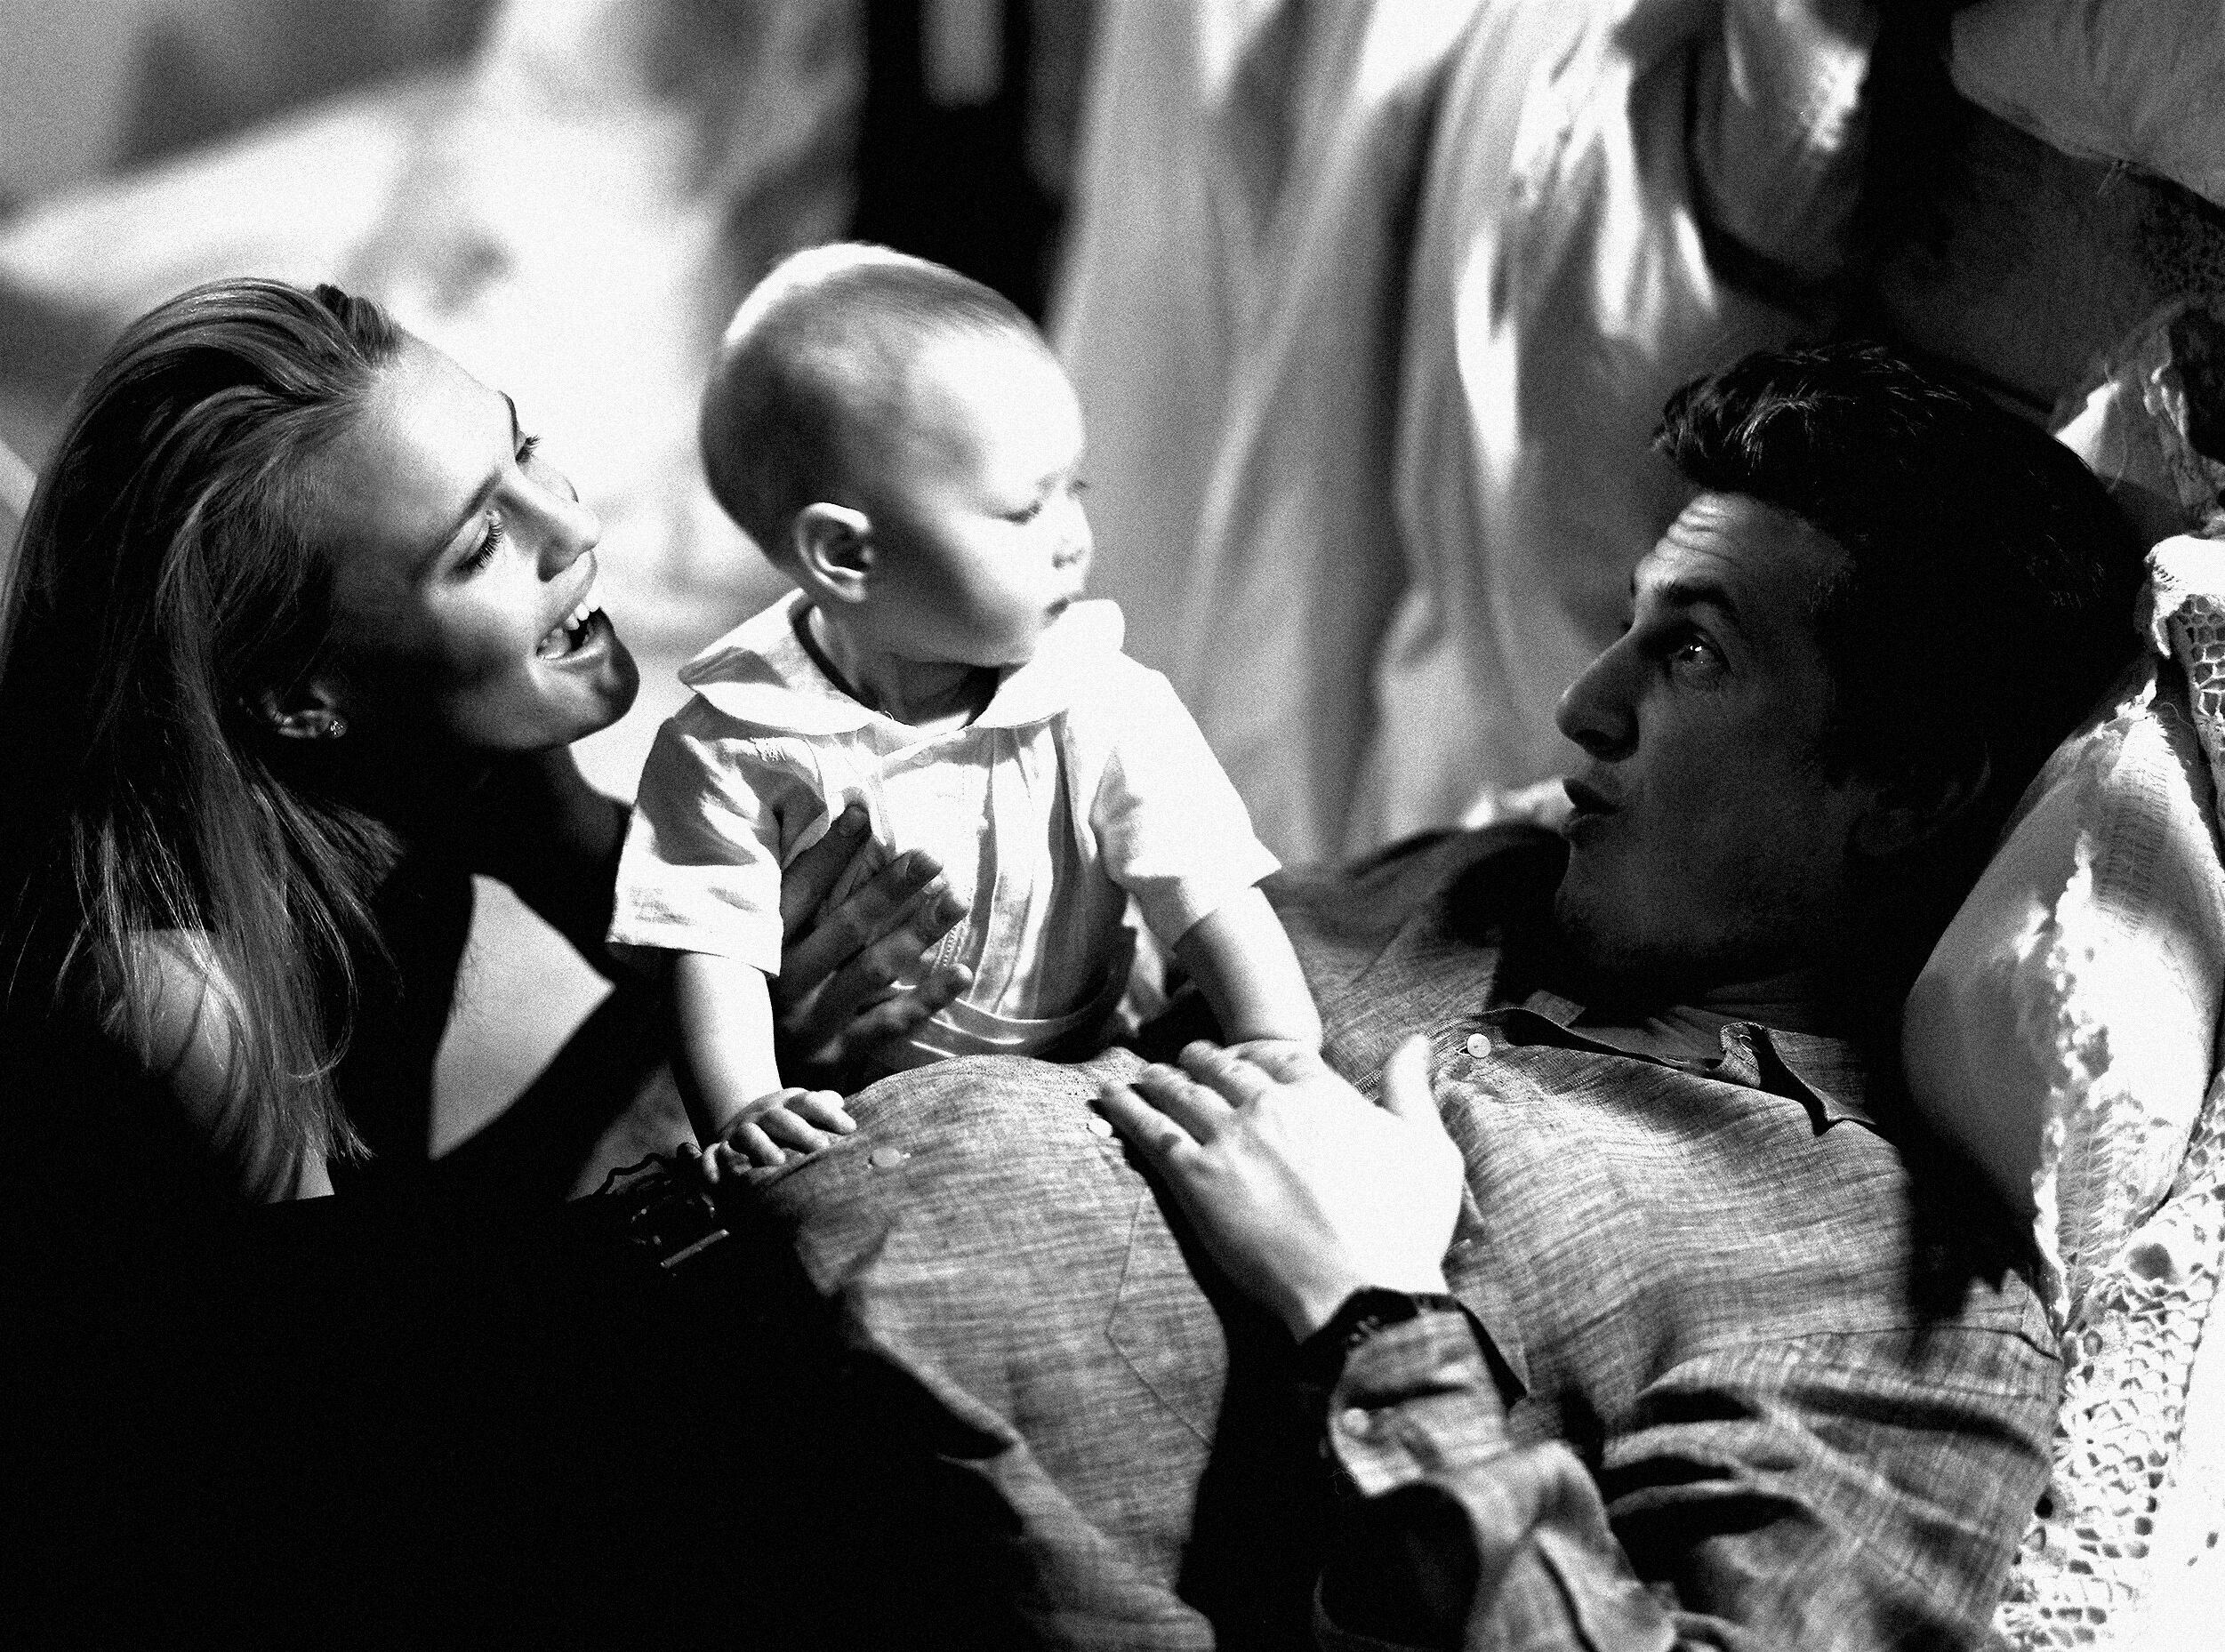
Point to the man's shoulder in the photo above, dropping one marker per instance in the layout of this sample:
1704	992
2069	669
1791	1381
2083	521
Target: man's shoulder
1469	886
1399	941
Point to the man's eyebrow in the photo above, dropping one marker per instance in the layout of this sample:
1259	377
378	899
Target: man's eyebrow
478	496
1692	593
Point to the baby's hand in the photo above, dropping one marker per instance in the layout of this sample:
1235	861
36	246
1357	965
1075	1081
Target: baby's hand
772	1126
1282	1057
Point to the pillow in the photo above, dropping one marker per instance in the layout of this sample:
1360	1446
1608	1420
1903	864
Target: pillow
2065	1033
2135	82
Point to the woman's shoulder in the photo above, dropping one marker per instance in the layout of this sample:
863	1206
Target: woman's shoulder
147	1058
87	1129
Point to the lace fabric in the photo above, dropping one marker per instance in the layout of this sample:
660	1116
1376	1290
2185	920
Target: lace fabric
2123	1547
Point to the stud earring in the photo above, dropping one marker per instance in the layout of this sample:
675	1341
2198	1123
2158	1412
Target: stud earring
336	727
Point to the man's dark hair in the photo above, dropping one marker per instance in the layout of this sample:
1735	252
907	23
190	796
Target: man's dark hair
1988	594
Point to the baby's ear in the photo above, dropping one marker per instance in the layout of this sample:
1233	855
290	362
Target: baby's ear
832	546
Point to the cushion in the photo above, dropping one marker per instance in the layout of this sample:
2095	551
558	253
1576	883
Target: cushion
2064	1033
2134	83
2065	1025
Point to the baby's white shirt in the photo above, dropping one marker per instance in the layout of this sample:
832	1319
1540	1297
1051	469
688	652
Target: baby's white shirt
1083	782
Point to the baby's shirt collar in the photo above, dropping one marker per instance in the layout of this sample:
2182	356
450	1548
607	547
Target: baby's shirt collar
761	673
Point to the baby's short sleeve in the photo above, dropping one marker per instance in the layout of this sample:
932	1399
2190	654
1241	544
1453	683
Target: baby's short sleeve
700	871
1169	826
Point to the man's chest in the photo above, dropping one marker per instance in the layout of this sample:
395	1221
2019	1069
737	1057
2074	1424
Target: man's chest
1624	1219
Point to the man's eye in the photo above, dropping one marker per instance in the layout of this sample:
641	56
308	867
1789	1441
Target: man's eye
1695	653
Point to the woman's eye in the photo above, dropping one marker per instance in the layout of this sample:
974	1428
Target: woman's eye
1027	513
484	552
527	447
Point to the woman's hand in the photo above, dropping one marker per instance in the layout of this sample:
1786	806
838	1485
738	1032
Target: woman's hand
855	922
1299	1189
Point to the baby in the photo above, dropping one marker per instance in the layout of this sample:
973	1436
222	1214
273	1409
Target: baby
901	444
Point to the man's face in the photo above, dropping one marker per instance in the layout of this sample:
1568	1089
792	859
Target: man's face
1708	847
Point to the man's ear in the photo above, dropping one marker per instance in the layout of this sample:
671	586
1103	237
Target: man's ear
310	710
1919	803
832	546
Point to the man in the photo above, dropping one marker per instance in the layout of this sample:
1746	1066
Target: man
1665	1335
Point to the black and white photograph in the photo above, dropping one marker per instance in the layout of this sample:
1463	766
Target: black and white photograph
1112	825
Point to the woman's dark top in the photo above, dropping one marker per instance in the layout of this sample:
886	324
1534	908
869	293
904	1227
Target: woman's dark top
414	1414
386	1078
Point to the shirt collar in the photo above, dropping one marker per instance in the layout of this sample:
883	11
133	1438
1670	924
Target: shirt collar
1825	1075
761	673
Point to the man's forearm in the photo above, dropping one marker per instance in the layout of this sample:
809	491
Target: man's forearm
1795	1494
1415	1423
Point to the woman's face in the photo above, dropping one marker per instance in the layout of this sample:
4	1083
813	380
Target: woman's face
465	613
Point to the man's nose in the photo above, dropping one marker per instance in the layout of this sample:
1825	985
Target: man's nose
1598	710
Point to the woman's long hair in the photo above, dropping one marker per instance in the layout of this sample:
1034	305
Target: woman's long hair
165	589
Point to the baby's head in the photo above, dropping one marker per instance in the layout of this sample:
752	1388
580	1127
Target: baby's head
899	440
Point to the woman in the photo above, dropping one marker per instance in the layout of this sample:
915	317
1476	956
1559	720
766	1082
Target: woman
299	630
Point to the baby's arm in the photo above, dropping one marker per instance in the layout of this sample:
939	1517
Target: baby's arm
727	1074
1241	959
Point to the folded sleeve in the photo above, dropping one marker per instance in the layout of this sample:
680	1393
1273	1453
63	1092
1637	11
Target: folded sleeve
1817	1492
1168	823
701	868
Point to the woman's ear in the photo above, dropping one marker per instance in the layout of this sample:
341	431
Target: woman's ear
833	547
308	711
1919	803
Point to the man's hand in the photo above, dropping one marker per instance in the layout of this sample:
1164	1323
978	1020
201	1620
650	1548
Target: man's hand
1298	1189
769	1128
856	922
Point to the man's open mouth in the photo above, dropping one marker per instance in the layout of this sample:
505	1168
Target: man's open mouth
1585	800
577	628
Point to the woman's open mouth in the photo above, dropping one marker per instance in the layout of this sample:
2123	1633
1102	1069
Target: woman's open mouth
577	629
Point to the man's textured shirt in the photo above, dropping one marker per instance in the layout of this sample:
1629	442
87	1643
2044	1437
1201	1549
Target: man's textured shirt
1746	1379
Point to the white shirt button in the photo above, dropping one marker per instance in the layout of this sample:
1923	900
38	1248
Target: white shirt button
887	1158
1099	1126
1355	1422
1478	1046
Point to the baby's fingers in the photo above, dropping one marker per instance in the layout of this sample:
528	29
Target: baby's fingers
823	1109
745	1145
782	1126
1283	1059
